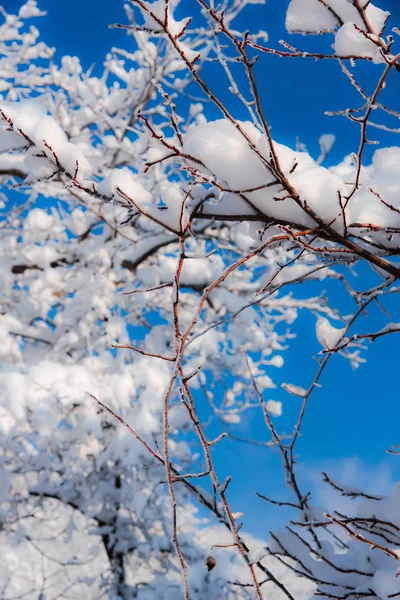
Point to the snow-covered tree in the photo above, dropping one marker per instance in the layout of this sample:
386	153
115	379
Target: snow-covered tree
150	258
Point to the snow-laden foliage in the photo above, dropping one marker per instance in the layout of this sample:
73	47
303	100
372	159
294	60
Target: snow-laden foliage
149	265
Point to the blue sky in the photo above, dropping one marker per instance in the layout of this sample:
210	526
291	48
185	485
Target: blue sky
356	413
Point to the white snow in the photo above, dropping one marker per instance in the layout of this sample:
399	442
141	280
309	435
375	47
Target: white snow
314	16
309	16
328	335
158	9
326	142
274	407
30	119
349	41
124	180
384	179
30	9
227	155
295	390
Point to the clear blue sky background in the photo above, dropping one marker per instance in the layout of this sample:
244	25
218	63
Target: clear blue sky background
356	413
